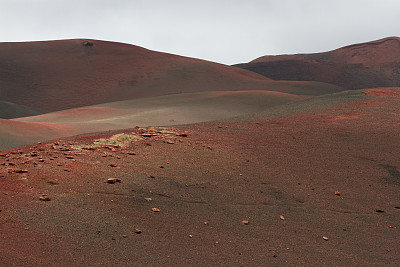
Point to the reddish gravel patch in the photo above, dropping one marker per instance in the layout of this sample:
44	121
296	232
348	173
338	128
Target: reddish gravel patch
384	92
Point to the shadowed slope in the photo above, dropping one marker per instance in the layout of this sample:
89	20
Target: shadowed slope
318	186
163	110
56	75
10	110
365	65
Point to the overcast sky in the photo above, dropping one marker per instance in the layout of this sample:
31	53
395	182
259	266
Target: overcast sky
225	31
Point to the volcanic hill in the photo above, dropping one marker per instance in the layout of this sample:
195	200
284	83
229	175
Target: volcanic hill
57	75
365	65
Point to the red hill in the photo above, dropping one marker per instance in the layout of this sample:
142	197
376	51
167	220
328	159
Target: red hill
56	75
365	65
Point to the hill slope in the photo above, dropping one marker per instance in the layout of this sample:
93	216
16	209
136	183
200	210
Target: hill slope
57	75
10	110
365	65
158	111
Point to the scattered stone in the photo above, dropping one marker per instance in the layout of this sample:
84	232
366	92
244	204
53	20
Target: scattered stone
131	153
44	198
337	193
124	236
41	160
282	218
152	176
155	210
170	142
67	170
138	231
162	167
69	157
205	223
113	165
245	222
190	236
113	180
59	164
380	211
182	135
325	238
21	171
87	44
148	199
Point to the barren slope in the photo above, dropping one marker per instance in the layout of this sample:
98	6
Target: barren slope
56	75
164	110
315	186
365	65
10	110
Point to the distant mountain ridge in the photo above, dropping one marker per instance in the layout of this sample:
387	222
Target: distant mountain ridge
357	66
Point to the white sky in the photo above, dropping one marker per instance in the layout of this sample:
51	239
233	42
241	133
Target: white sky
225	31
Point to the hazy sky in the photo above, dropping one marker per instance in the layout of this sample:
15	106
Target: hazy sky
225	31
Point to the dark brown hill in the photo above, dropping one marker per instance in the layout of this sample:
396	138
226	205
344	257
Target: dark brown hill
56	75
365	65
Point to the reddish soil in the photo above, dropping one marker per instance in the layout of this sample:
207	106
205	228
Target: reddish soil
315	187
365	65
57	75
